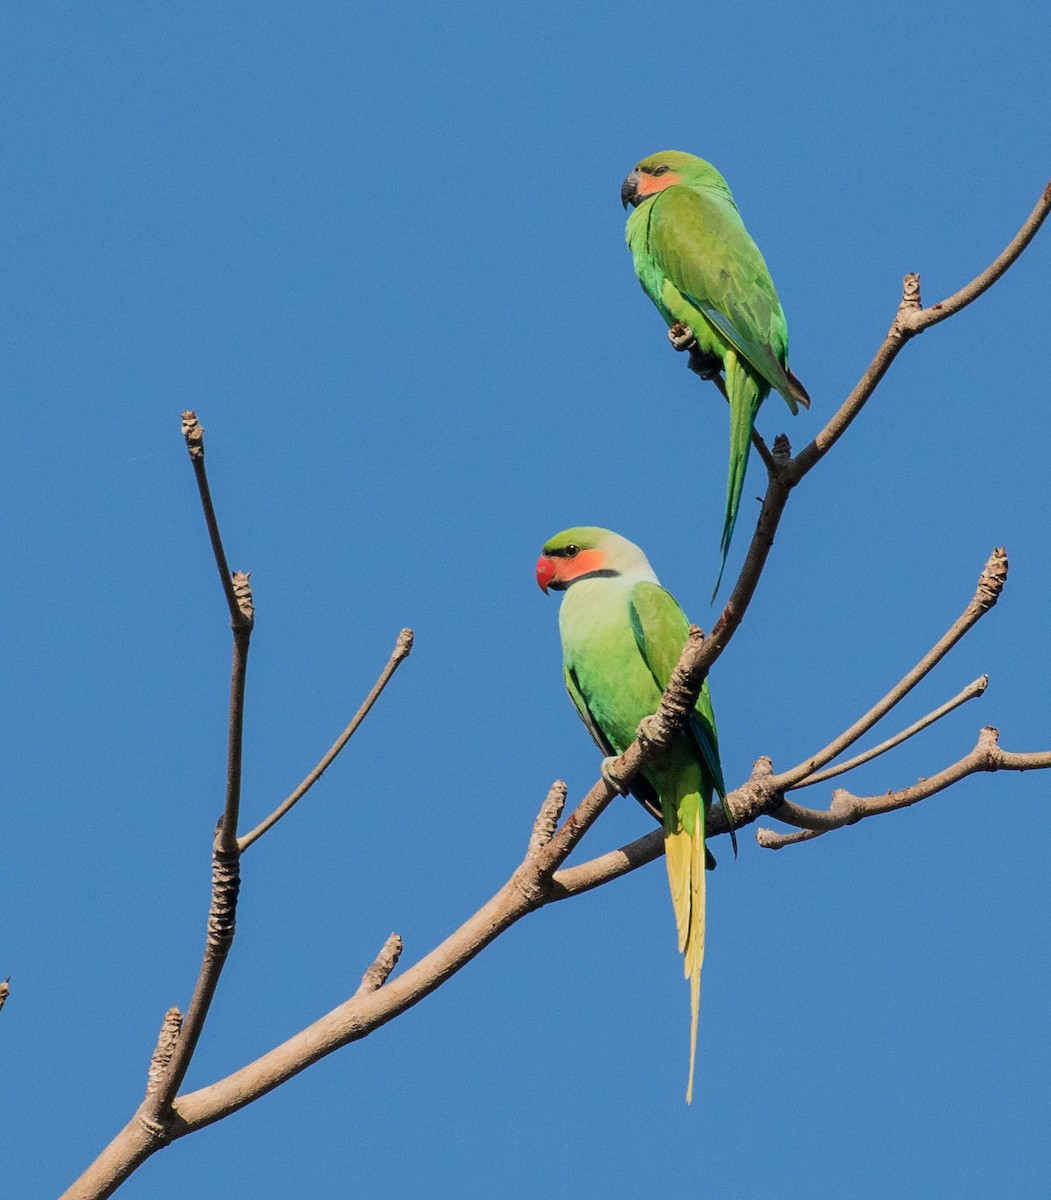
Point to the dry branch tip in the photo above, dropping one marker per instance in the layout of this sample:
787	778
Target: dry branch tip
193	432
378	973
547	818
167	1039
992	579
910	291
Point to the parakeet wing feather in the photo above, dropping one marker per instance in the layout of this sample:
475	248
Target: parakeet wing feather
641	788
661	630
699	242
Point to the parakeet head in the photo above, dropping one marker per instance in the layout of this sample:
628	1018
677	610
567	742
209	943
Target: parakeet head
588	552
661	170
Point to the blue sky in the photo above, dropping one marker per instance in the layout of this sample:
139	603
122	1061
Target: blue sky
380	250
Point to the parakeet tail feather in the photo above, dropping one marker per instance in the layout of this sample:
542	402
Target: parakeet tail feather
684	853
745	398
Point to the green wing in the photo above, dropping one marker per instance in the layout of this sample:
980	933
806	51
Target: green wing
641	788
661	630
700	244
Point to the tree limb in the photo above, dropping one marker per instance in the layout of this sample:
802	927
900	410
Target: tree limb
401	651
848	809
990	584
975	688
539	879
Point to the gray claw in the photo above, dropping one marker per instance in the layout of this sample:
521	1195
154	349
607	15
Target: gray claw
647	730
611	776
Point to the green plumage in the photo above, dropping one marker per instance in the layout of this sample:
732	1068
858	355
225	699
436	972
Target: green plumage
699	266
622	635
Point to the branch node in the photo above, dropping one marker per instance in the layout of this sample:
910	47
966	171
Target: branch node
243	595
226	883
992	580
158	1133
910	292
387	959
771	839
547	818
170	1029
843	807
989	742
762	767
782	451
193	432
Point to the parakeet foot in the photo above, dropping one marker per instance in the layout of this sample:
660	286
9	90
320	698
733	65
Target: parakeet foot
681	336
647	729
611	776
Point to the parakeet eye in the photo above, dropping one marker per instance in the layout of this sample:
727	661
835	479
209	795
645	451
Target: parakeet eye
571	551
661	170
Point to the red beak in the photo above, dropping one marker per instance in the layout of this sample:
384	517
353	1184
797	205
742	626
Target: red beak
545	572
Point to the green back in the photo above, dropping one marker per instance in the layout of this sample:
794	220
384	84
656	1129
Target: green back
698	264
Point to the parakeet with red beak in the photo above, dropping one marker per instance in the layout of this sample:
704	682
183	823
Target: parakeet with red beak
622	635
697	263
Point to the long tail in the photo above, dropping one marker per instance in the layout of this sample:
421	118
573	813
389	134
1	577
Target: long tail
684	854
745	397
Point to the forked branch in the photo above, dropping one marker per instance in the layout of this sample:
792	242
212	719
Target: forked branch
541	878
848	809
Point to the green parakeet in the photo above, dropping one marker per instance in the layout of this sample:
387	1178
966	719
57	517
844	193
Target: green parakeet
697	263
622	635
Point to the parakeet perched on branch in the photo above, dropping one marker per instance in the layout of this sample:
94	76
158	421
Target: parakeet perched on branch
622	635
697	263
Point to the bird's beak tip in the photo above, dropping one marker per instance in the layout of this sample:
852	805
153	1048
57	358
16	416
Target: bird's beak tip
629	189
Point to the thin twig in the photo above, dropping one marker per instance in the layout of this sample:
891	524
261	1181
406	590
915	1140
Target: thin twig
227	837
990	584
973	689
847	809
193	432
908	322
401	651
226	876
226	883
924	318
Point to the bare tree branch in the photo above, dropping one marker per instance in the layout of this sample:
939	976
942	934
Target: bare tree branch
401	651
923	318
193	432
226	879
975	688
990	584
847	809
539	880
909	321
